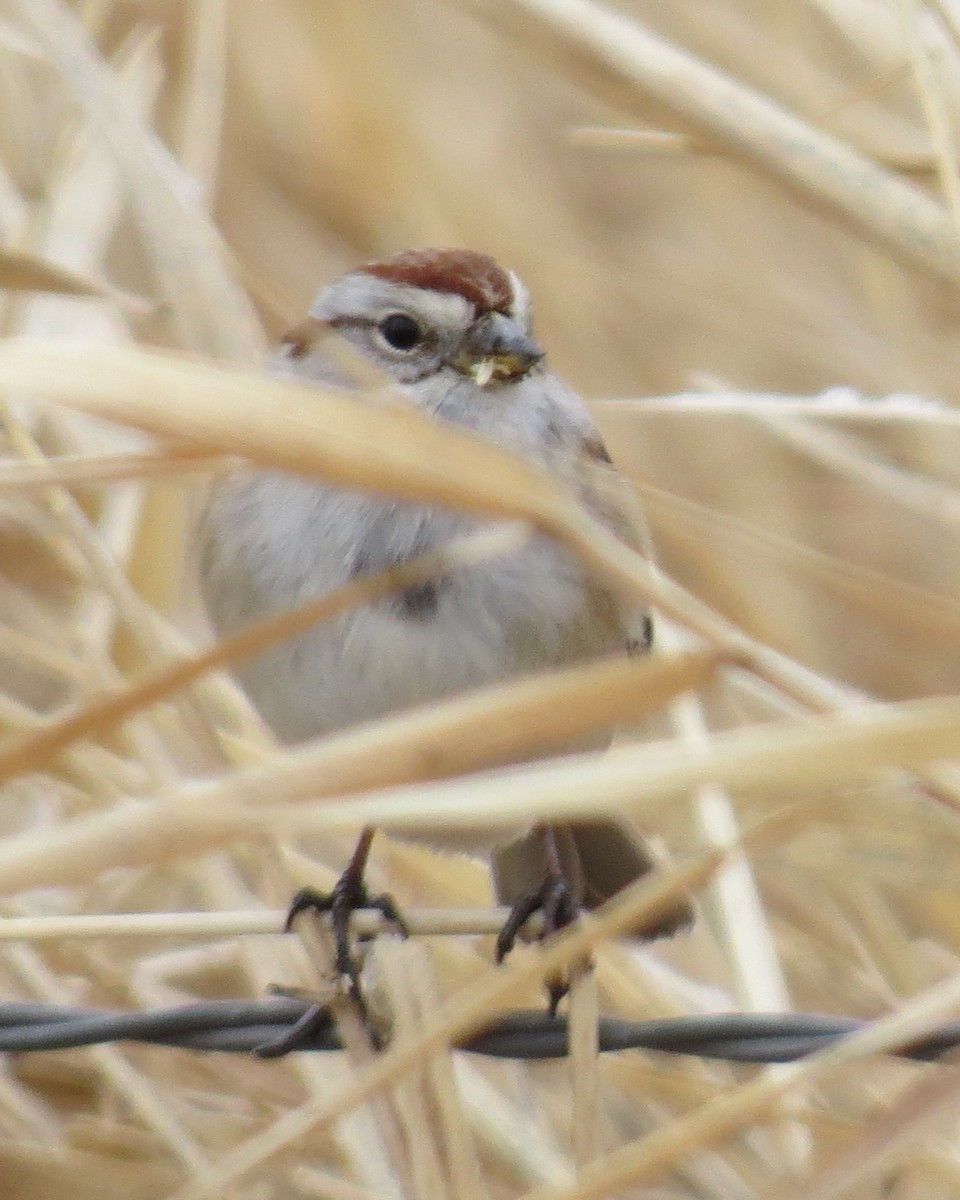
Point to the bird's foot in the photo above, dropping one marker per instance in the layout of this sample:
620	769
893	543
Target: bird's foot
349	895
558	904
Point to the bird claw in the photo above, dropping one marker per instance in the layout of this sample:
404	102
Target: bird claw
556	900
347	896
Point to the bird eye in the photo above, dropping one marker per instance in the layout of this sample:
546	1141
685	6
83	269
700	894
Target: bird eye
400	331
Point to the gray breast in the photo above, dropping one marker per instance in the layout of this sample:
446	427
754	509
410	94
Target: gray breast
476	626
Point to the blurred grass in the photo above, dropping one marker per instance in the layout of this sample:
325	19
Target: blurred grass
185	176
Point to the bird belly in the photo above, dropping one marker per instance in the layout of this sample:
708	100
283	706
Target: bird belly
477	626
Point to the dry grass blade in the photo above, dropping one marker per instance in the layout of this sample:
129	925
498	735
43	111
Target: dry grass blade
931	497
487	997
629	62
405	969
662	141
827	409
76	470
935	104
757	225
13	38
385	1136
774	760
426	922
33	1173
209	312
458	735
300	428
584	1063
825	753
648	141
649	1158
34	751
923	1109
200	118
873	592
377	447
24	272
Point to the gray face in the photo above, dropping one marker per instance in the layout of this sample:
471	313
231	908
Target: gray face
413	333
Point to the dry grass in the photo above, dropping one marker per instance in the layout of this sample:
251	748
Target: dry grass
729	209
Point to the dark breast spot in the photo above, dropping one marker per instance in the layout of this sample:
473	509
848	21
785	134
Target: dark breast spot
419	603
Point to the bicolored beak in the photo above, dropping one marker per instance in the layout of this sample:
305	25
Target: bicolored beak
497	349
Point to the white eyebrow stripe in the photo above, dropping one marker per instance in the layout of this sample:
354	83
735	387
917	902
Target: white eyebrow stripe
519	300
365	296
445	309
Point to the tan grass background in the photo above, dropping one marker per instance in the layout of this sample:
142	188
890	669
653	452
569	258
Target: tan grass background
723	209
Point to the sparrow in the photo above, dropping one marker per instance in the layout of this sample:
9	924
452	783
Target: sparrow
453	330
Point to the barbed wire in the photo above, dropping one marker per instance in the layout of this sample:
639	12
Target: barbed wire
246	1027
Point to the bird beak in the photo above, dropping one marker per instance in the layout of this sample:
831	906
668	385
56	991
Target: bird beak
496	348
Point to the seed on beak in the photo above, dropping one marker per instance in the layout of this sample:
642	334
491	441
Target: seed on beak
483	370
495	349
